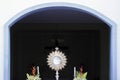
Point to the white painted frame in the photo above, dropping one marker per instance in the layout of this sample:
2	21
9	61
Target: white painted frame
112	25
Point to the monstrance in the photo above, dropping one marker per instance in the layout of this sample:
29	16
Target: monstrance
56	61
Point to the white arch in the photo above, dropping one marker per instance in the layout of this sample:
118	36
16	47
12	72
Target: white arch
113	51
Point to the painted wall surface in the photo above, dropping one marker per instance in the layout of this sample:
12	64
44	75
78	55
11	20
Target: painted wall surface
10	8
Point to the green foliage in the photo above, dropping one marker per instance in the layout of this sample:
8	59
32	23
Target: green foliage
84	75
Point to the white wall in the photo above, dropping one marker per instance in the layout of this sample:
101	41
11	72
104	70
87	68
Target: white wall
9	8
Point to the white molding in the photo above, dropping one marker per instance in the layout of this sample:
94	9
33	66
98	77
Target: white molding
112	25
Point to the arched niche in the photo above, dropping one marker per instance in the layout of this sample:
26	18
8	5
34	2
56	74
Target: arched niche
79	26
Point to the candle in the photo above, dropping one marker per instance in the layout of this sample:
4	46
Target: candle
74	72
38	70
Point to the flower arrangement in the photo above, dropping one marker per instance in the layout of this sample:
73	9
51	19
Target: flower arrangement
33	76
80	75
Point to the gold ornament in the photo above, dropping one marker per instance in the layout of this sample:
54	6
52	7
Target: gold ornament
56	60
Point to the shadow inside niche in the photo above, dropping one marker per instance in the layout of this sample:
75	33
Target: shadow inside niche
85	35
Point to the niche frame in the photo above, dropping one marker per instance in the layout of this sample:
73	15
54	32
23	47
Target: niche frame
17	17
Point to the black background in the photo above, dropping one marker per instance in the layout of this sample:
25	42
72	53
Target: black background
87	39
